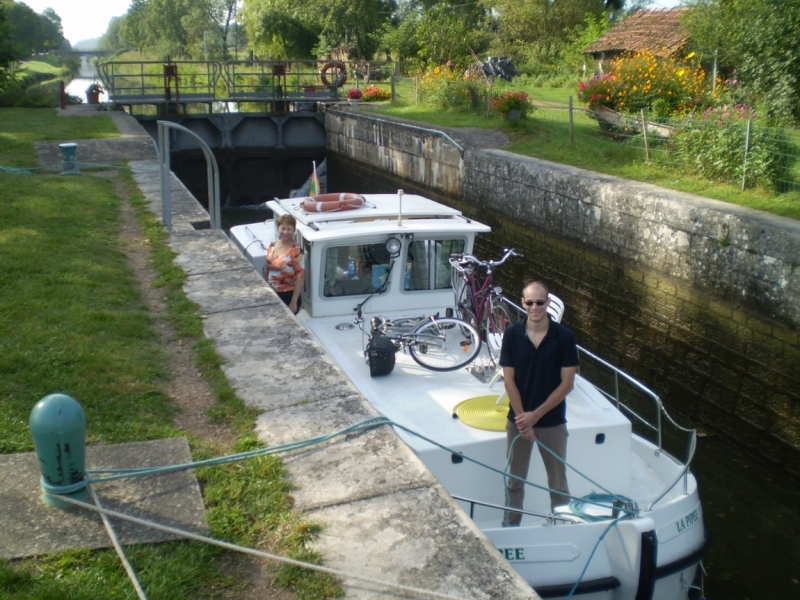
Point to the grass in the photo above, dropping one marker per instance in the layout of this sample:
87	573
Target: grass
74	322
545	135
19	132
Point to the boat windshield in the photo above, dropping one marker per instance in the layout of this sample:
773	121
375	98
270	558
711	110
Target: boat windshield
357	269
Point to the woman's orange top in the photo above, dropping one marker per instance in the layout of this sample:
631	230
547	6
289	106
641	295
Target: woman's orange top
285	279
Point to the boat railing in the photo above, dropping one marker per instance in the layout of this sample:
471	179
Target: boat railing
551	517
615	397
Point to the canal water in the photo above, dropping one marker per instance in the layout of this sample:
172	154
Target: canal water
752	509
87	75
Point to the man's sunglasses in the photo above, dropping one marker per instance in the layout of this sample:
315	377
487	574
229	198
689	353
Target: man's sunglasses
536	302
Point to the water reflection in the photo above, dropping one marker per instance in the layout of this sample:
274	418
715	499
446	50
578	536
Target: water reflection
87	76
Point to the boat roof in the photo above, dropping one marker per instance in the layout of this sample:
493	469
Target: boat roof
379	216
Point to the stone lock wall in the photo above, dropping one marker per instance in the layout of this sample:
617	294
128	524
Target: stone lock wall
697	298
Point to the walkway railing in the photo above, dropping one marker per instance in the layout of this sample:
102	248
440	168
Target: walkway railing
212	172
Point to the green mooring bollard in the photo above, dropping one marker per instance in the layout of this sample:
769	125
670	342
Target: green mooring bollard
58	425
70	164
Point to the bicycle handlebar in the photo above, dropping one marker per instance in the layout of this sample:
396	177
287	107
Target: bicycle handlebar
461	261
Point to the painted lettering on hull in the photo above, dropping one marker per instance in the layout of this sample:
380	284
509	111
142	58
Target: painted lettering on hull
687	521
512	554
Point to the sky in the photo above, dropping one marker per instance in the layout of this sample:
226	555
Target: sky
86	19
82	19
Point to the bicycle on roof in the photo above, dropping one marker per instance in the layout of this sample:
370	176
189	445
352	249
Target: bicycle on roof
481	303
436	343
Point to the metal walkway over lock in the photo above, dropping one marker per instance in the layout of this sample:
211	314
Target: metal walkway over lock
282	86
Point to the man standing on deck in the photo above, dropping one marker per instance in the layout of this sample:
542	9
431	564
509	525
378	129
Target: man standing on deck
539	359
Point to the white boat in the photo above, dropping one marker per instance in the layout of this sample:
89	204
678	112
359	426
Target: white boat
652	549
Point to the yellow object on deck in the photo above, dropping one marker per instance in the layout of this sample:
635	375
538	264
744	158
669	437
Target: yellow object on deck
483	412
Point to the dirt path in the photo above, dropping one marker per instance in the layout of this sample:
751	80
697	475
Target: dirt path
190	393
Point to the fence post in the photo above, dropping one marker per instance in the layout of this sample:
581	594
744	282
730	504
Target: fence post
746	150
644	131
416	89
393	95
571	132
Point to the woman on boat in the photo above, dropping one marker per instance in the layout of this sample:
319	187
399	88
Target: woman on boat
284	267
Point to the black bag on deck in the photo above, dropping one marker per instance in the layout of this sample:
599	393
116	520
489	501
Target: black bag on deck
380	356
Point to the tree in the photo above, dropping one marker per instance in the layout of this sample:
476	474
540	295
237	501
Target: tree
536	30
758	38
52	30
281	28
7	54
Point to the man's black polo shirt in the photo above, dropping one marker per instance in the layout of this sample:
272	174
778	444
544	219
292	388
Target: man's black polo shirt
537	371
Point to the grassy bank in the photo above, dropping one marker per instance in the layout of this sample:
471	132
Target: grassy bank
74	321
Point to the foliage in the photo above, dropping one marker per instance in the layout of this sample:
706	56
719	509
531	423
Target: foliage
504	103
600	90
7	54
536	32
642	80
15	94
31	32
354	94
375	94
713	146
280	28
446	88
761	39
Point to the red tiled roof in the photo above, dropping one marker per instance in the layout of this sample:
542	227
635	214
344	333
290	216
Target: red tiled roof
656	31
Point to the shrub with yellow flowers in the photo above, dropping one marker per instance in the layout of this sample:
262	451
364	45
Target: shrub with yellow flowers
447	87
667	87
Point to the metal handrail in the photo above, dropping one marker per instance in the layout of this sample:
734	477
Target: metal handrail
442	134
212	171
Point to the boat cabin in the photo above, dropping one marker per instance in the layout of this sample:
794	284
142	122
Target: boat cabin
349	253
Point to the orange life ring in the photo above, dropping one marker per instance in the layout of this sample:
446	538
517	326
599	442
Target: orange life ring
340	68
331	202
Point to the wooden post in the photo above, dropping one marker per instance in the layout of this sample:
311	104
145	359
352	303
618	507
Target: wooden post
489	98
393	93
746	150
416	89
571	129
644	131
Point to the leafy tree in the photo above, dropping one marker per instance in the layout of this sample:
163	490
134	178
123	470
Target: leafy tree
52	30
535	31
281	28
759	38
7	54
27	30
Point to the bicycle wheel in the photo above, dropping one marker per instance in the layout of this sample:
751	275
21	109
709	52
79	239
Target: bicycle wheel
444	344
465	305
494	324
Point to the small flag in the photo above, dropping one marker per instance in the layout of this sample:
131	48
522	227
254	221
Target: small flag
314	190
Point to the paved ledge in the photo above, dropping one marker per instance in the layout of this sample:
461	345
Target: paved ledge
31	528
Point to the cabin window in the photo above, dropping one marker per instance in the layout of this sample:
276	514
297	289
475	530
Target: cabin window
427	264
355	269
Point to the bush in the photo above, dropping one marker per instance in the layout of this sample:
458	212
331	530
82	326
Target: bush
14	95
445	88
664	86
354	94
375	94
504	103
712	146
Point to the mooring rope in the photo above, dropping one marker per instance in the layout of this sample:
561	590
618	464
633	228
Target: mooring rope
258	553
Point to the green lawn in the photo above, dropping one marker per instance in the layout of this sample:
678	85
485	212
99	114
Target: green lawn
73	321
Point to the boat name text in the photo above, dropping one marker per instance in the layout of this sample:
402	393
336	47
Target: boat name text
687	521
513	553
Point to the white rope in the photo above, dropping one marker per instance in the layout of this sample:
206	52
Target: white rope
115	542
253	552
